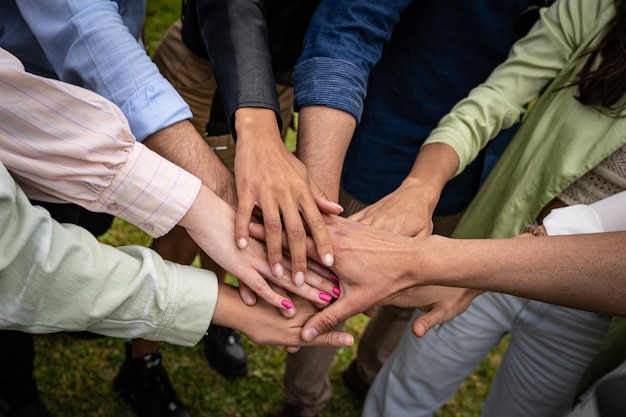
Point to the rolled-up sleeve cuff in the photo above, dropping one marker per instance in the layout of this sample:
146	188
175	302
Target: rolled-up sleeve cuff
572	220
190	308
154	107
329	82
149	191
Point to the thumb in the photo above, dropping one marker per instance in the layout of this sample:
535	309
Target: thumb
323	202
428	320
322	322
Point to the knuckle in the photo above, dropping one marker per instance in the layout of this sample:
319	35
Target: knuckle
272	224
296	232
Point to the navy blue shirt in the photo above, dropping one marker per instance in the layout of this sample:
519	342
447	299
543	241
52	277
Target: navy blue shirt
438	51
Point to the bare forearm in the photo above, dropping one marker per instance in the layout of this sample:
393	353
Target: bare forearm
323	139
581	271
181	144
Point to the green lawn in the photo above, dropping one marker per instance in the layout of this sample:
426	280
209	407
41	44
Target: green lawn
75	375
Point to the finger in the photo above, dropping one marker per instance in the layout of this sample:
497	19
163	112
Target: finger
247	295
325	320
428	320
286	312
261	287
327	206
357	217
323	279
333	339
242	220
273	228
292	349
319	233
320	295
296	238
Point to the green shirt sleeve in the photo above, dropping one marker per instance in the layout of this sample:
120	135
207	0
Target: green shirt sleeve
56	277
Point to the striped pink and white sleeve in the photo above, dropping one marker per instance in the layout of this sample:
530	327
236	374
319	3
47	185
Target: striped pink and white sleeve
62	142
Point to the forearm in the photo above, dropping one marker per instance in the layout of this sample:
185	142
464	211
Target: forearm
182	145
581	271
323	139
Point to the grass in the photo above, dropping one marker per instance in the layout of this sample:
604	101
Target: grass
75	375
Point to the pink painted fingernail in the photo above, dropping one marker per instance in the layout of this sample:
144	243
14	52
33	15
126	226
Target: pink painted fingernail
325	297
334	277
287	304
336	291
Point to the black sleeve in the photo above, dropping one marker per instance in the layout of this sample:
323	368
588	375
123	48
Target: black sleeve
235	37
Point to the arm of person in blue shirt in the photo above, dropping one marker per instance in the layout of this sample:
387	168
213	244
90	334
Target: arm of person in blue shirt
344	41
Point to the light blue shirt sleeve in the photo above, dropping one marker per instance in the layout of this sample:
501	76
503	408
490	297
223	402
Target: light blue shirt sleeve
95	44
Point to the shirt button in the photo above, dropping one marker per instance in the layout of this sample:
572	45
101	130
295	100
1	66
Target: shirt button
113	207
147	226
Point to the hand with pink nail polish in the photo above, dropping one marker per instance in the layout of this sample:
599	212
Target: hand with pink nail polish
214	236
263	324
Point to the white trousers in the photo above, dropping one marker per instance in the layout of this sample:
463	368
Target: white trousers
549	350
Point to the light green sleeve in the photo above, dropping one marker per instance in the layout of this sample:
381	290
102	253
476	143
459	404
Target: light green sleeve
534	61
56	277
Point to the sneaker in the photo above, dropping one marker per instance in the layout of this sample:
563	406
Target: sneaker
35	408
224	351
143	383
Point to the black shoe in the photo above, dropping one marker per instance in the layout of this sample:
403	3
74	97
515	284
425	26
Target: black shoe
224	351
35	408
292	411
143	383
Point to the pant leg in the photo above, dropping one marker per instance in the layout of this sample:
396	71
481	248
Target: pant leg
422	374
550	348
307	385
17	382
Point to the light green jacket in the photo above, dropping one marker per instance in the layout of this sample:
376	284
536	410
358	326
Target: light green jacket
559	140
57	277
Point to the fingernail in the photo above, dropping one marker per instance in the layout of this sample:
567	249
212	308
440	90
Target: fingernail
334	277
250	300
339	206
299	279
329	259
279	271
325	297
346	340
242	243
336	291
287	304
309	334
